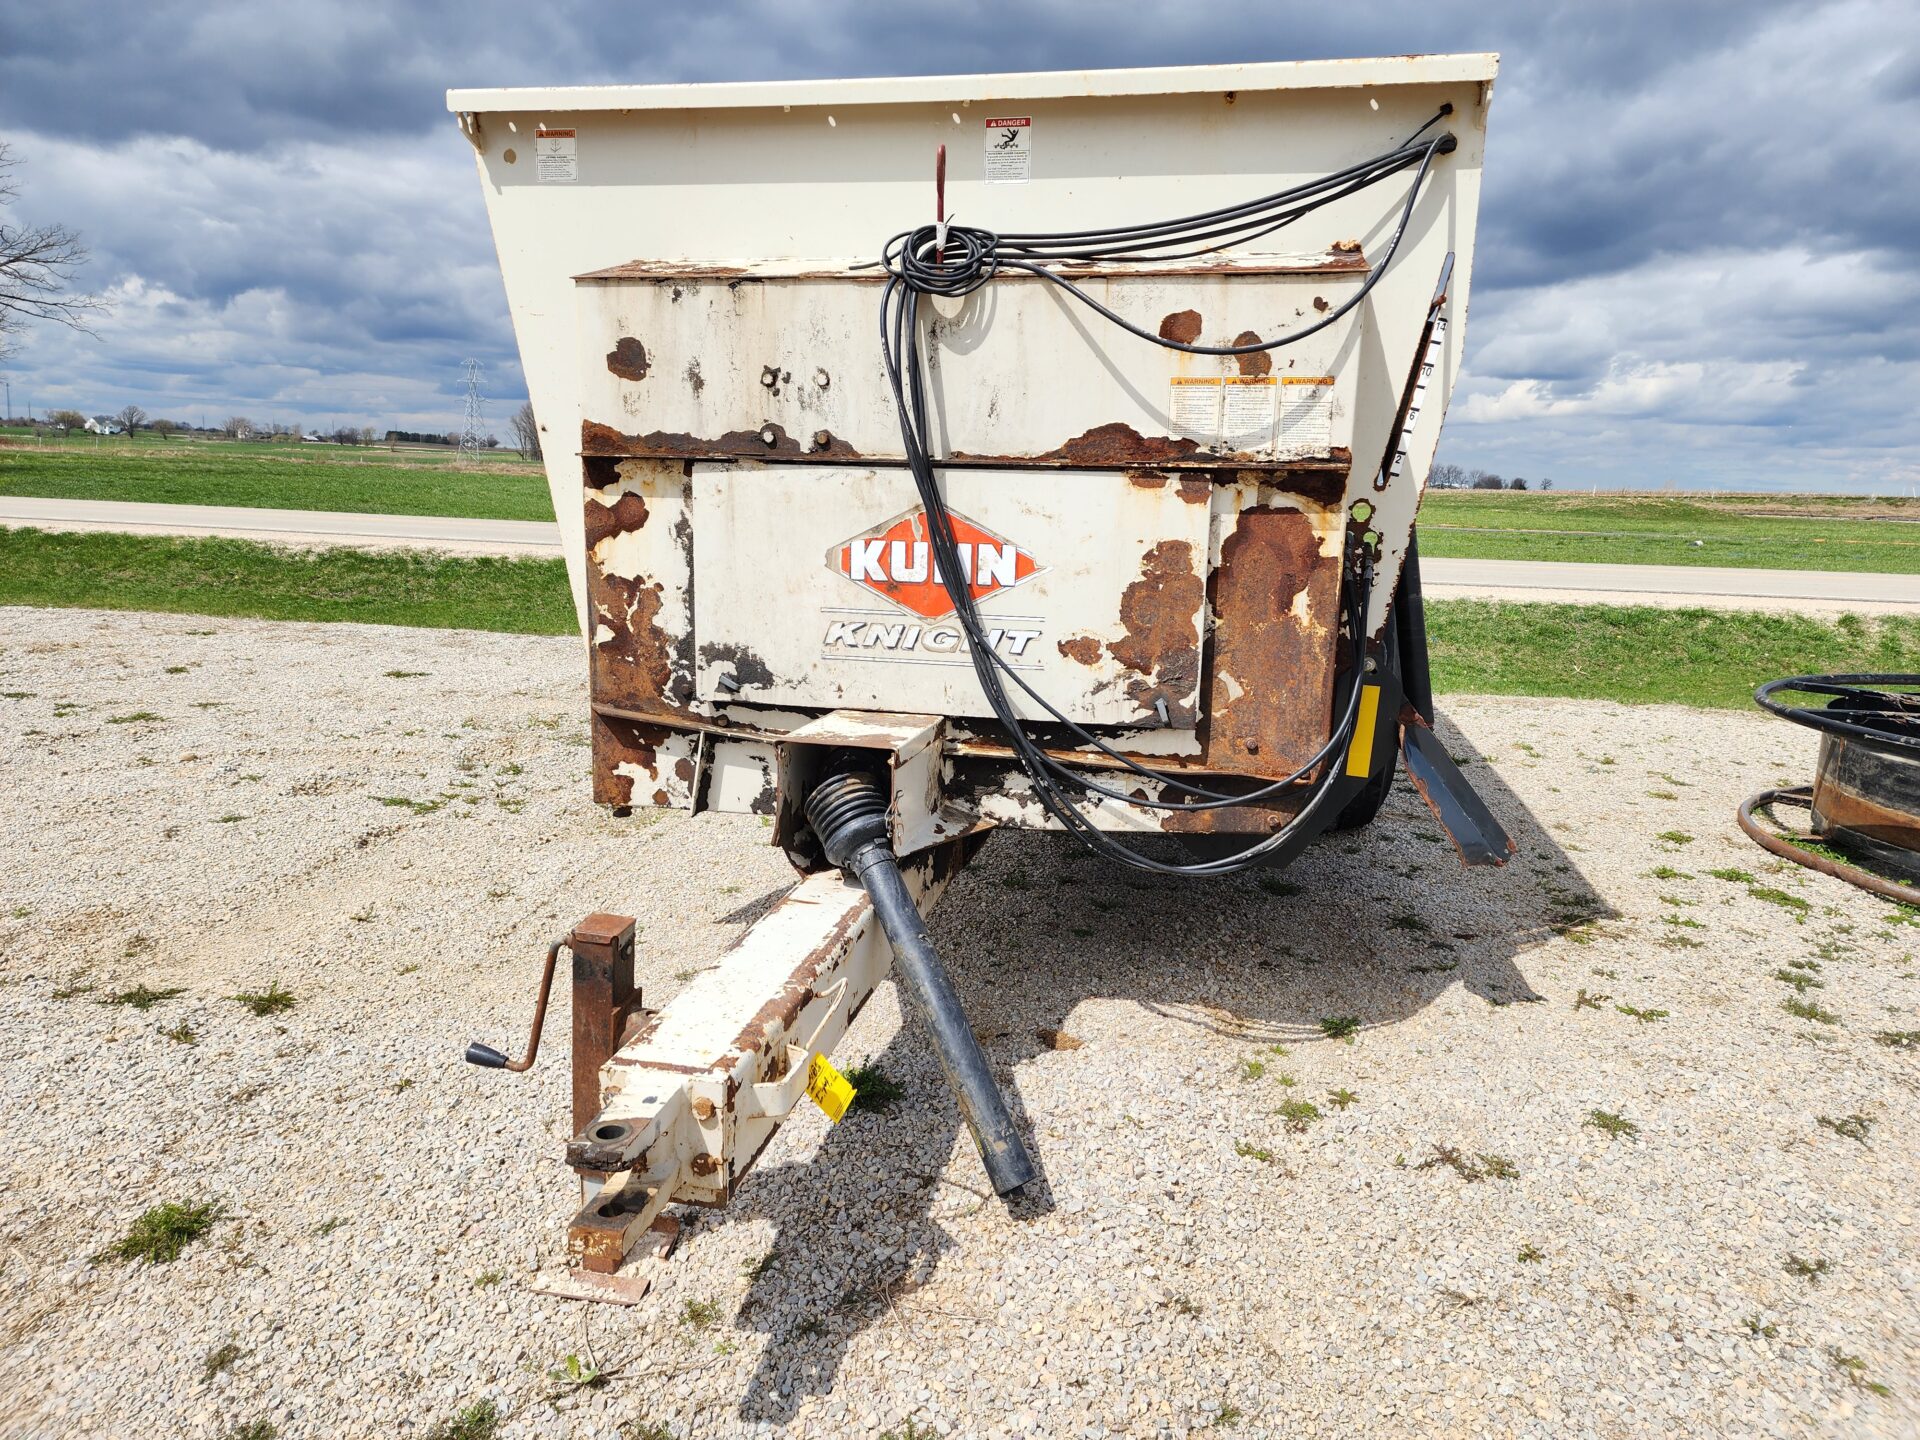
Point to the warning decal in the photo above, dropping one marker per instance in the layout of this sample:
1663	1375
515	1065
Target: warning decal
1306	414
1193	407
1247	414
1010	150
554	158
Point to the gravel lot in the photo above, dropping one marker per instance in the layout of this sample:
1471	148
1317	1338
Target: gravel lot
389	823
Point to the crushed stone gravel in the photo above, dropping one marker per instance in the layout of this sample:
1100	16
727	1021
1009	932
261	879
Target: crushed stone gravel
391	823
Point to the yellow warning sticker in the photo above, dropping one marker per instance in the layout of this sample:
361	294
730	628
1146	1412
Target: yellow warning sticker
828	1088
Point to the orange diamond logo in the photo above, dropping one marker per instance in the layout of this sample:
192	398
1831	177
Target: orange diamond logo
895	561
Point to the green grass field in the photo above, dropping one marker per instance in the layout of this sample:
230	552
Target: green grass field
280	475
1774	532
1635	654
236	577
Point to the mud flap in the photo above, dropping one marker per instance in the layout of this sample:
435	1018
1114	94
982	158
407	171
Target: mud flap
1462	814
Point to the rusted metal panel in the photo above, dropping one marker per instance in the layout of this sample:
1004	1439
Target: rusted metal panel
639	574
636	763
823	593
1275	601
781	360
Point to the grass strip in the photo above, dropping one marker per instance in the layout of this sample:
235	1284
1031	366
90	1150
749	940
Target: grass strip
240	578
276	479
1635	654
1785	532
1644	654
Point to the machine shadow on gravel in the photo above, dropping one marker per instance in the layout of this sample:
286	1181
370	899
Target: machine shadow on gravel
1375	924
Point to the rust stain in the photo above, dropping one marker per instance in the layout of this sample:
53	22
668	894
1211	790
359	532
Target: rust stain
1254	362
1182	327
683	769
695	380
604	521
1196	489
622	742
1271	688
769	439
628	359
1162	643
1320	304
1147	479
1082	648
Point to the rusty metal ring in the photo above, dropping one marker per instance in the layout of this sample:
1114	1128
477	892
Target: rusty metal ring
1802	796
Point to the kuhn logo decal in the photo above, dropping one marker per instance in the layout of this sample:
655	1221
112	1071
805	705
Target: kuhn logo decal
895	561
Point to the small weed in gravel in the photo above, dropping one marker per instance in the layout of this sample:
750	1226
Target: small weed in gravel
1645	1017
251	1430
418	807
138	717
404	674
270	1001
487	1279
1479	1167
873	1092
143	997
1853	1127
1733	876
1615	1127
1248	1151
577	1374
1799	979
182	1034
160	1234
1808	1270
1807	1010
329	1225
1675	837
1761	1328
1855	1369
478	1421
1339	1027
1531	1254
1230	1415
1667	872
1252	1069
231	818
1898	1039
645	1430
1340	1099
1798	904
909	1431
1584	1001
1298	1114
700	1314
220	1358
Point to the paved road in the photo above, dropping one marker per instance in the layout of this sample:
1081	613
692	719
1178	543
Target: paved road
1714	586
1796	590
301	527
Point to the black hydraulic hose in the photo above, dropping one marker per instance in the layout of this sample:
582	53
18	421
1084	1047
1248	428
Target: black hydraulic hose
849	814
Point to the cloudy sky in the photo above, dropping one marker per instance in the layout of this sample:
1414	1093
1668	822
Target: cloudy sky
1699	254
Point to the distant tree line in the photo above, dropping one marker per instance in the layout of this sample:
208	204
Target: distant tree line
131	418
1453	477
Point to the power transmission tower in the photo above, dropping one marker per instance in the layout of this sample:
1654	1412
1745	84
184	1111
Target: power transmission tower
471	442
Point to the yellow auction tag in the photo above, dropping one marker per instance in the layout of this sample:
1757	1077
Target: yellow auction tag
828	1088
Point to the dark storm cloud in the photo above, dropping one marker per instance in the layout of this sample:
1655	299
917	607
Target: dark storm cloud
1698	250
